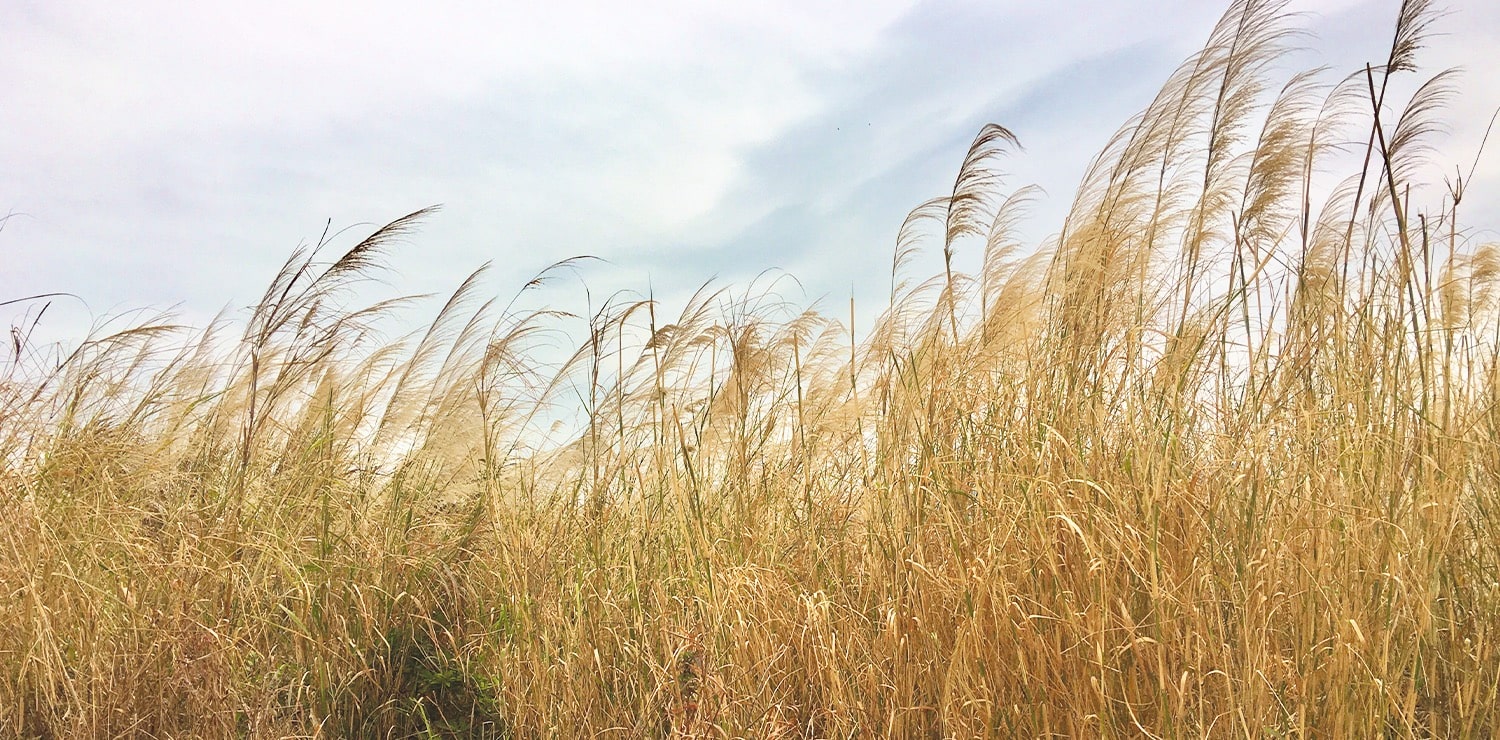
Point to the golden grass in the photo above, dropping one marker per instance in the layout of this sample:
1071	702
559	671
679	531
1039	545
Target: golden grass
1216	462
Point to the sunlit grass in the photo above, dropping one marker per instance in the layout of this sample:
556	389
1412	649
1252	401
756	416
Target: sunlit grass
1219	460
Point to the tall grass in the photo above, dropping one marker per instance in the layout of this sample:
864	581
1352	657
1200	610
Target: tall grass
1219	460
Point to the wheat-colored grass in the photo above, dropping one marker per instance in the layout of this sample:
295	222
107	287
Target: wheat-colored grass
1219	461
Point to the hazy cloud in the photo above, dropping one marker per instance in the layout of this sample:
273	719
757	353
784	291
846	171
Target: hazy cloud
164	152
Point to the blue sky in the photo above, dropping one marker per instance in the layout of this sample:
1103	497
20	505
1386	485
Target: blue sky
171	156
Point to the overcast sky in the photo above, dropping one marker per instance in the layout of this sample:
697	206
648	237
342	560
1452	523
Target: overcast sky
161	154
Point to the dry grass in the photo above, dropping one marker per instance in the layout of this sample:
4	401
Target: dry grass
1216	462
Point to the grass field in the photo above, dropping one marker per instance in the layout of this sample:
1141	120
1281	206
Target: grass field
1219	460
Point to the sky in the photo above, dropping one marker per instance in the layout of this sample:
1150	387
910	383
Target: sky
170	156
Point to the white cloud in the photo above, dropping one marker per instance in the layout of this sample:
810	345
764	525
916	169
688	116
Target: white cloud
168	151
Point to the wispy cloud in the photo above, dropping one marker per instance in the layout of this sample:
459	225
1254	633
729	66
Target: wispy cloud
165	152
